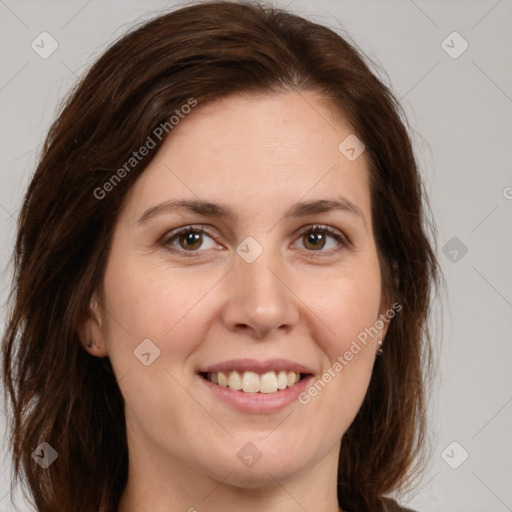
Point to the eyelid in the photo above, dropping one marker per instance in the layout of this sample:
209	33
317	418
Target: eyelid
343	241
165	240
338	235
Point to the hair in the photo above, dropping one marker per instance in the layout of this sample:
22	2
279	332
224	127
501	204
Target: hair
62	395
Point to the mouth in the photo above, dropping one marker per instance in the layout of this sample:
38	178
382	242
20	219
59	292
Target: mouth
256	387
274	381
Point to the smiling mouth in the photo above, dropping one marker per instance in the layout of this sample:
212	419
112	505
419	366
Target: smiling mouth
252	382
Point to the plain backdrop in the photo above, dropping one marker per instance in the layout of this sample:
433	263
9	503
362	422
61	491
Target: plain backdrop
450	64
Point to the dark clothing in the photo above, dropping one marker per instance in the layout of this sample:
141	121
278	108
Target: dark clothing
390	505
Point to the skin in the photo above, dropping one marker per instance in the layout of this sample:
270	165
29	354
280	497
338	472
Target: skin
258	155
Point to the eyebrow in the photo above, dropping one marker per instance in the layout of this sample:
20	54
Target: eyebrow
220	211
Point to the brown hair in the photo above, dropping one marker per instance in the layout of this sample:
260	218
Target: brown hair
62	395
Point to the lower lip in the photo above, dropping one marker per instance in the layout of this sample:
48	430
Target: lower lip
258	402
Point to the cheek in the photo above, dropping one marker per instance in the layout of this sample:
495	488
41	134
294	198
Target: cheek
157	303
349	305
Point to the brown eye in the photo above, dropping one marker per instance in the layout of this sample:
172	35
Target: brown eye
317	238
187	241
190	241
314	240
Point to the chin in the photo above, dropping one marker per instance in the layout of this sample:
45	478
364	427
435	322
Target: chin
251	468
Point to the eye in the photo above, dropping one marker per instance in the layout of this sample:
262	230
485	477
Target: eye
187	240
315	239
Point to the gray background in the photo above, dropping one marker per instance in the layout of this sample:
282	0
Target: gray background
460	112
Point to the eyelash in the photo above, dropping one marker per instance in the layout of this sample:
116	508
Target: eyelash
166	240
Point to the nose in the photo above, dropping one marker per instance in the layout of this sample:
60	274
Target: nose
260	300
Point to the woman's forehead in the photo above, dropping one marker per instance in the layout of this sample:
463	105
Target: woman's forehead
265	147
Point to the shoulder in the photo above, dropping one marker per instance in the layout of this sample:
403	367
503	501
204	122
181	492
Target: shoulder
390	505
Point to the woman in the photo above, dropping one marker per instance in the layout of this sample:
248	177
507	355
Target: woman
222	278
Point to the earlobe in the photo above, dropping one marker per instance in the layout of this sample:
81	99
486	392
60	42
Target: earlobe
384	318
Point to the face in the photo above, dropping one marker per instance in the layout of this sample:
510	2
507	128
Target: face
279	278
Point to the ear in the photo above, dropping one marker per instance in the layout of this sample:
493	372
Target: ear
91	332
384	331
388	311
385	317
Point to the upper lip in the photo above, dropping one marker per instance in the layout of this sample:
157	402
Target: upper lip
252	365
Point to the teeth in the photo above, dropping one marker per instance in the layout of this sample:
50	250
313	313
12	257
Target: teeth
251	382
235	381
222	378
282	380
268	382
